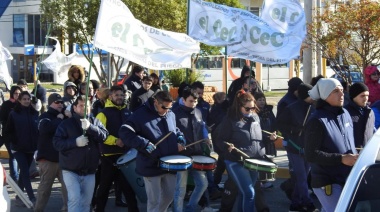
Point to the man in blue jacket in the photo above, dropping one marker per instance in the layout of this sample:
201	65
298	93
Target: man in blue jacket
144	128
47	156
79	154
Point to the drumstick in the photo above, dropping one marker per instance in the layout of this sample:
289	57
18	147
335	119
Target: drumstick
195	142
304	121
239	151
162	139
272	133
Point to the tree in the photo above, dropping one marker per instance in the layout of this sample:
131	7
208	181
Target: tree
75	20
350	30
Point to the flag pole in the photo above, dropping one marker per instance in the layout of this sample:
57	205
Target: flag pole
187	32
41	58
88	83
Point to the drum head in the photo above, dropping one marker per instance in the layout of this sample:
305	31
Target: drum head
130	155
203	159
261	162
173	159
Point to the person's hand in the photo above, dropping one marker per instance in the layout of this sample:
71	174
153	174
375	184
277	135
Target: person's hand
230	147
273	136
34	100
150	147
68	113
349	159
119	142
81	141
60	116
181	147
85	124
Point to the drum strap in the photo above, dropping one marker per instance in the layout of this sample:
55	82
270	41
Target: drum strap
300	150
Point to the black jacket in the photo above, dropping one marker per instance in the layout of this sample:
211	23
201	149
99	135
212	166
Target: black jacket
364	123
47	125
139	97
133	83
5	110
21	129
41	93
80	160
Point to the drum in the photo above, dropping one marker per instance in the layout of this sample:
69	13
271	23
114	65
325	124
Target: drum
203	163
127	164
175	163
266	170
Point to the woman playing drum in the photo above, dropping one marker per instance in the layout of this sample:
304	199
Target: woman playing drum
244	133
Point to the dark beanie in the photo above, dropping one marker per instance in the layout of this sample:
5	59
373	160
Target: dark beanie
303	90
356	89
293	84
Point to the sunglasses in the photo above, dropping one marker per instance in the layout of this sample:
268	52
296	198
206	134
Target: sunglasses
247	109
58	102
166	108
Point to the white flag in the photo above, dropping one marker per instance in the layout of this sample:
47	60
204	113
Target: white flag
4	74
118	32
286	16
58	61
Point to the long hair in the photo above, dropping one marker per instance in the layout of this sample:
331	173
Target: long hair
13	90
241	98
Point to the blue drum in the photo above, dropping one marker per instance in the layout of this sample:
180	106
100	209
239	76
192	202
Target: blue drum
127	164
175	163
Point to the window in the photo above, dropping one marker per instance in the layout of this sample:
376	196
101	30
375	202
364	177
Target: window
36	33
18	30
367	195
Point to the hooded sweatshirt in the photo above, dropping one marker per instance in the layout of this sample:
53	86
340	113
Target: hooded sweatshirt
373	86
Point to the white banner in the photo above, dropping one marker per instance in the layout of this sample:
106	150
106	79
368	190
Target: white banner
268	43
118	32
4	74
58	61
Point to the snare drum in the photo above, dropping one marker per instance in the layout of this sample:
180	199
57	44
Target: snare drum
266	170
203	163
175	163
127	165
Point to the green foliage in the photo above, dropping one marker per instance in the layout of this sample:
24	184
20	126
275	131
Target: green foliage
175	77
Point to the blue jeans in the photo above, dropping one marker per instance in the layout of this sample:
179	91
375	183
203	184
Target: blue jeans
301	168
201	183
79	190
328	202
245	181
24	160
13	167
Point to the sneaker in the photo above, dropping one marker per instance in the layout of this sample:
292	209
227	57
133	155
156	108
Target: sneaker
209	209
296	208
267	185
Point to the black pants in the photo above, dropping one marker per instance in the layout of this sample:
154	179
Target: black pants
109	174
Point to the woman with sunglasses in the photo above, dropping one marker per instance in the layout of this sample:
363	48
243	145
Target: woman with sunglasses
22	128
244	134
372	81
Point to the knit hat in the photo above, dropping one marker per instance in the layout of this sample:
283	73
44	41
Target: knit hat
293	84
54	97
323	88
356	89
303	90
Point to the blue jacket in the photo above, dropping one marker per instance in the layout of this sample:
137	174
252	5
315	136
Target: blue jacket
80	160
47	125
22	129
244	134
41	93
204	107
146	125
329	134
189	121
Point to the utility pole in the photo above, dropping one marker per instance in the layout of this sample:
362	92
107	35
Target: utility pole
309	56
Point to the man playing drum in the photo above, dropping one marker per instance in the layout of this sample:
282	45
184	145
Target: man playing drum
144	128
112	117
189	121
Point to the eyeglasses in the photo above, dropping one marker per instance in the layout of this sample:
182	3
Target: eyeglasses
58	102
247	109
165	108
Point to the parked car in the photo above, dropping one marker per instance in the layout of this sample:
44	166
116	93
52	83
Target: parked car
356	76
361	191
121	78
5	201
